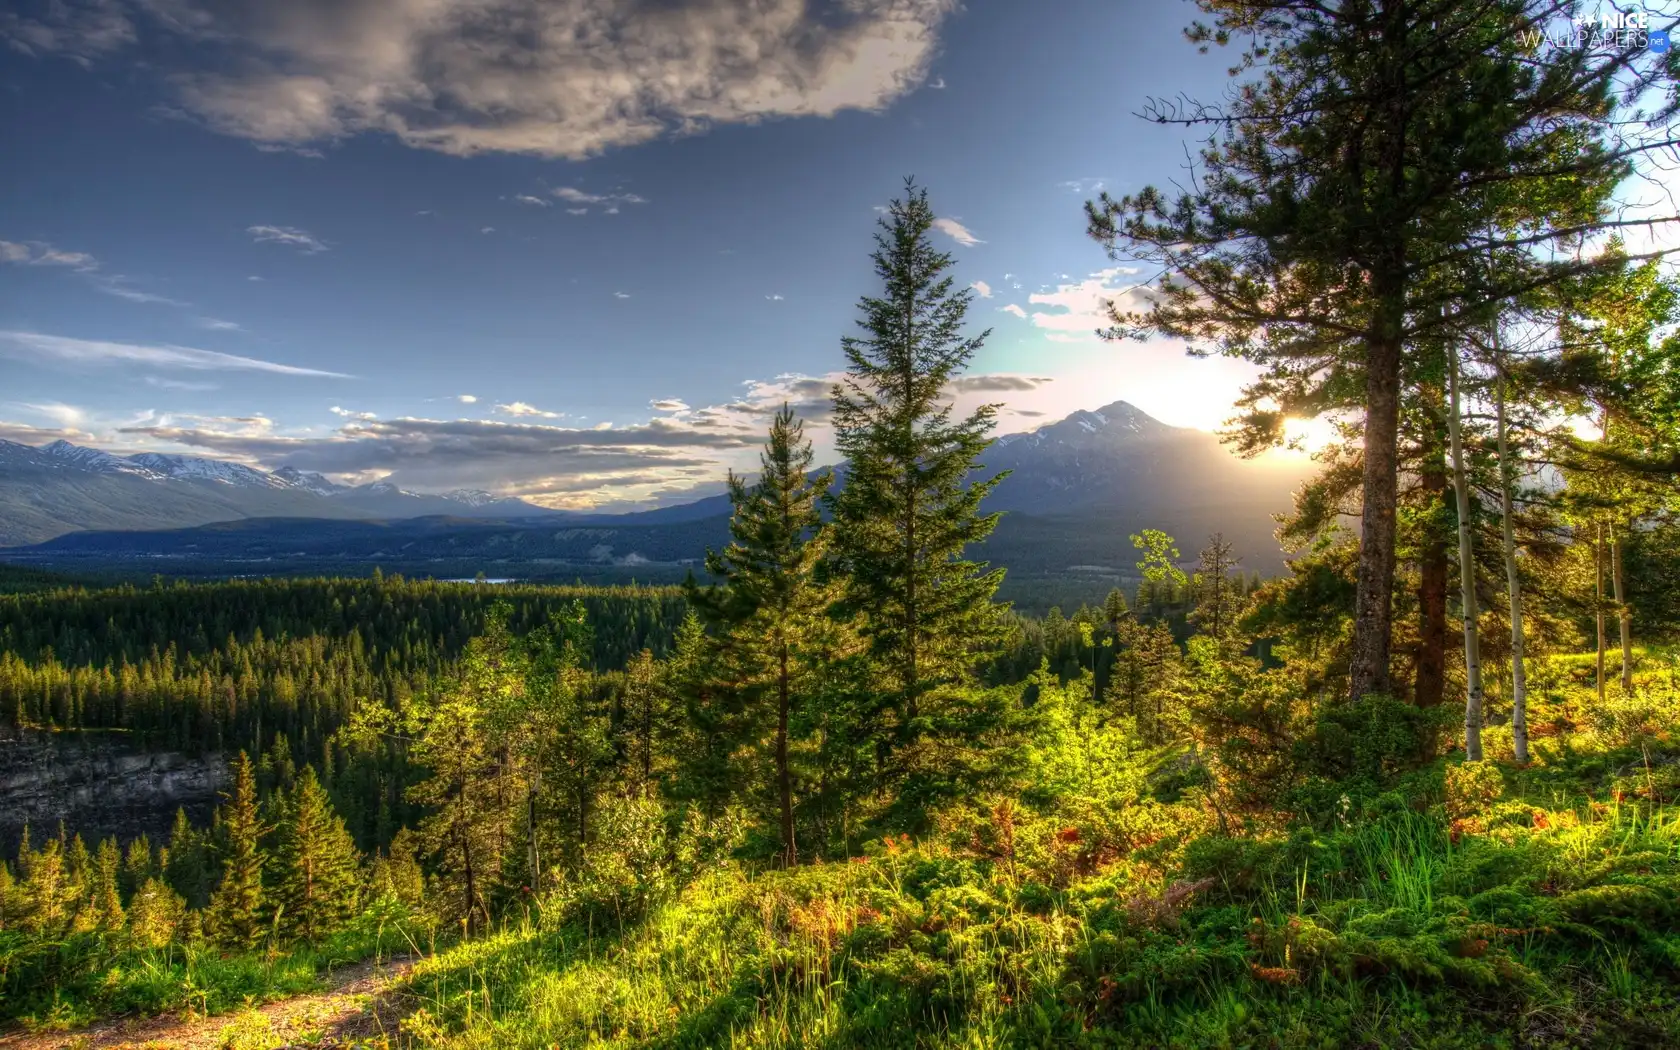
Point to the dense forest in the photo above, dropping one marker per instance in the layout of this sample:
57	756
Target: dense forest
1417	791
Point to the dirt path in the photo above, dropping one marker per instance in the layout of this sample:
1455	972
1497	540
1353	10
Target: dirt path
355	1009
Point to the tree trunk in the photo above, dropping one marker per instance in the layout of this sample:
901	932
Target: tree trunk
784	779
1374	594
533	860
1624	615
1513	579
1466	573
1598	604
1430	684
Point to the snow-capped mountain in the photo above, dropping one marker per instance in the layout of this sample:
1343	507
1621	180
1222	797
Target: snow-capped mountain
307	481
1120	456
197	468
90	459
53	489
1087	481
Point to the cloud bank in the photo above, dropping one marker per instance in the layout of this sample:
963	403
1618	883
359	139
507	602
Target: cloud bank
552	78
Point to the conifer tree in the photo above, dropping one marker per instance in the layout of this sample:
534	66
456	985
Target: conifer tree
316	878
105	894
770	605
1341	197
235	918
1219	600
186	862
139	864
575	751
465	825
155	913
46	889
908	509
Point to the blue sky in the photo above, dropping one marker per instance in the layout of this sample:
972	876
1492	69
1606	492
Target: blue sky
307	232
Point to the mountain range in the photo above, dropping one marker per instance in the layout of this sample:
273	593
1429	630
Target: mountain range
49	490
1076	491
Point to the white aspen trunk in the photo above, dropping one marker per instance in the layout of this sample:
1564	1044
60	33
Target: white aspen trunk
1624	616
1598	604
1466	575
1513	580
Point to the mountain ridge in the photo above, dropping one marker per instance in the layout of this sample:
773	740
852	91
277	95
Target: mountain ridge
1115	459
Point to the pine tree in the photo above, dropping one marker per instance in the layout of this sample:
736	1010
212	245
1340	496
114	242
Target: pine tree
1219	599
1343	194
316	879
907	509
465	825
105	891
46	890
235	918
139	864
155	914
771	608
186	862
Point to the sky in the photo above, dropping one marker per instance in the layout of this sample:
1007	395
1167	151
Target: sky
569	250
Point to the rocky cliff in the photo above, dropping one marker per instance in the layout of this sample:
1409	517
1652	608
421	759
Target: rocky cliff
98	785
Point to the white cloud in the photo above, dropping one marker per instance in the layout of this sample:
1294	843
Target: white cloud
79	29
984	289
118	285
253	277
180	384
957	232
1083	305
520	408
577	211
1014	309
39	253
1083	185
668	404
553	78
938	84
345	413
291	236
621	295
577	196
535	202
488	229
467	399
216	324
775	298
60	413
36	345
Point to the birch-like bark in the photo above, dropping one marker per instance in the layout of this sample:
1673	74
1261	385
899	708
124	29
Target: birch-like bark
1598	603
1513	580
1624	616
1466	573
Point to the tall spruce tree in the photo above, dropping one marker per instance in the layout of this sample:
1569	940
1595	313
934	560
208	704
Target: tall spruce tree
909	507
316	880
771	606
235	918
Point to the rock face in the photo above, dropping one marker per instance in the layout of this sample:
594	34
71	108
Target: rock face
99	785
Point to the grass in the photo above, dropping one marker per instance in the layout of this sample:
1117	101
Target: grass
1560	931
73	981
